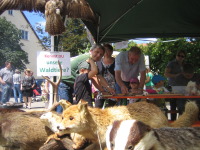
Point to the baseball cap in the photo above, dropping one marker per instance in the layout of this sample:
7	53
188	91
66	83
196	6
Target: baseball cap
84	65
157	78
134	80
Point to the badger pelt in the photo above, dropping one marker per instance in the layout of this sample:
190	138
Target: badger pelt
135	135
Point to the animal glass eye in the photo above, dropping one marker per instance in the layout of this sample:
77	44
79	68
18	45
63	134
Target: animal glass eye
112	144
71	118
130	147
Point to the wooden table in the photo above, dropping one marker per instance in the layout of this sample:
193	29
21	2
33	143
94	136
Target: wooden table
151	96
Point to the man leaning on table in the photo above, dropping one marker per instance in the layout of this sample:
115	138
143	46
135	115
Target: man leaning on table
129	64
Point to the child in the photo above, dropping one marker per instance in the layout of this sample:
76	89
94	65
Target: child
82	86
134	84
45	90
158	82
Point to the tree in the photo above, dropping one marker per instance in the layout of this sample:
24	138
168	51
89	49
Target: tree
74	39
161	52
10	46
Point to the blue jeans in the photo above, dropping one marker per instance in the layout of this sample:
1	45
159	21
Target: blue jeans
64	92
17	91
6	92
123	101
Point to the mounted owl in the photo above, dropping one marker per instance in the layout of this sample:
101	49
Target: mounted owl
55	11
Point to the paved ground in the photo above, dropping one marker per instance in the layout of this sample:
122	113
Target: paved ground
40	105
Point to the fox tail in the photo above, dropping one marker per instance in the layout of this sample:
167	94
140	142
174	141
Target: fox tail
189	116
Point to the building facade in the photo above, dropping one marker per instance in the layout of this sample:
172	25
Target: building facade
30	40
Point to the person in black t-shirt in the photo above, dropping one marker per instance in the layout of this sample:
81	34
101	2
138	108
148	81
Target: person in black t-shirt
82	85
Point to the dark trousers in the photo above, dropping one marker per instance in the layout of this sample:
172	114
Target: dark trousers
100	102
173	105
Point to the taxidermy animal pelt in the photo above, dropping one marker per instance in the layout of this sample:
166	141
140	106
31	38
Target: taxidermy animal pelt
135	135
191	88
55	11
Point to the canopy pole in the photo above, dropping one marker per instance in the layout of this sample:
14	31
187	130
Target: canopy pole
98	28
51	100
113	24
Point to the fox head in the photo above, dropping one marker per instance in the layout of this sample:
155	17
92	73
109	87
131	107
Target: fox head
74	118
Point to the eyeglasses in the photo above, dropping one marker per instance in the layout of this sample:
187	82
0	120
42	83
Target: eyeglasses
181	56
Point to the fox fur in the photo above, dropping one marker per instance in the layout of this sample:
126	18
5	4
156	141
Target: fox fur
92	123
135	135
52	120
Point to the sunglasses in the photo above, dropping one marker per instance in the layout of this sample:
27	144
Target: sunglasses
181	56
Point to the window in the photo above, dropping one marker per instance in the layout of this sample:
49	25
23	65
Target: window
24	35
10	12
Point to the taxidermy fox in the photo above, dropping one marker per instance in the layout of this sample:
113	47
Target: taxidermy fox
92	123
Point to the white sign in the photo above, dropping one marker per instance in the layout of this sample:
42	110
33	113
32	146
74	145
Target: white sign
120	45
47	63
146	59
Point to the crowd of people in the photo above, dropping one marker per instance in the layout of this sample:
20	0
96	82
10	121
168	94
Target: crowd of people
22	87
99	73
114	76
124	74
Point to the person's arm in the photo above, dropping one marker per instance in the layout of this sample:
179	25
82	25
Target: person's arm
96	83
93	71
1	81
34	83
142	79
119	81
147	79
105	84
47	86
169	75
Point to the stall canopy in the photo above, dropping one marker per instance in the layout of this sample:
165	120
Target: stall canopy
120	20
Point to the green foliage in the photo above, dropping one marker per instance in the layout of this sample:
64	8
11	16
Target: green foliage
160	53
10	46
74	39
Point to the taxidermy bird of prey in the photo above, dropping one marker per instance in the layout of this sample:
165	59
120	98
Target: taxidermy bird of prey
54	10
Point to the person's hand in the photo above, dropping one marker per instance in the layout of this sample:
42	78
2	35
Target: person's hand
89	60
3	82
139	91
124	89
111	90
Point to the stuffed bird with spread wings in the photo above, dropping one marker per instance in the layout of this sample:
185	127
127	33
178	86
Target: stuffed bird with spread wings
54	10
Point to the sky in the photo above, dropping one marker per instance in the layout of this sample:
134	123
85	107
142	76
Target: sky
37	20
